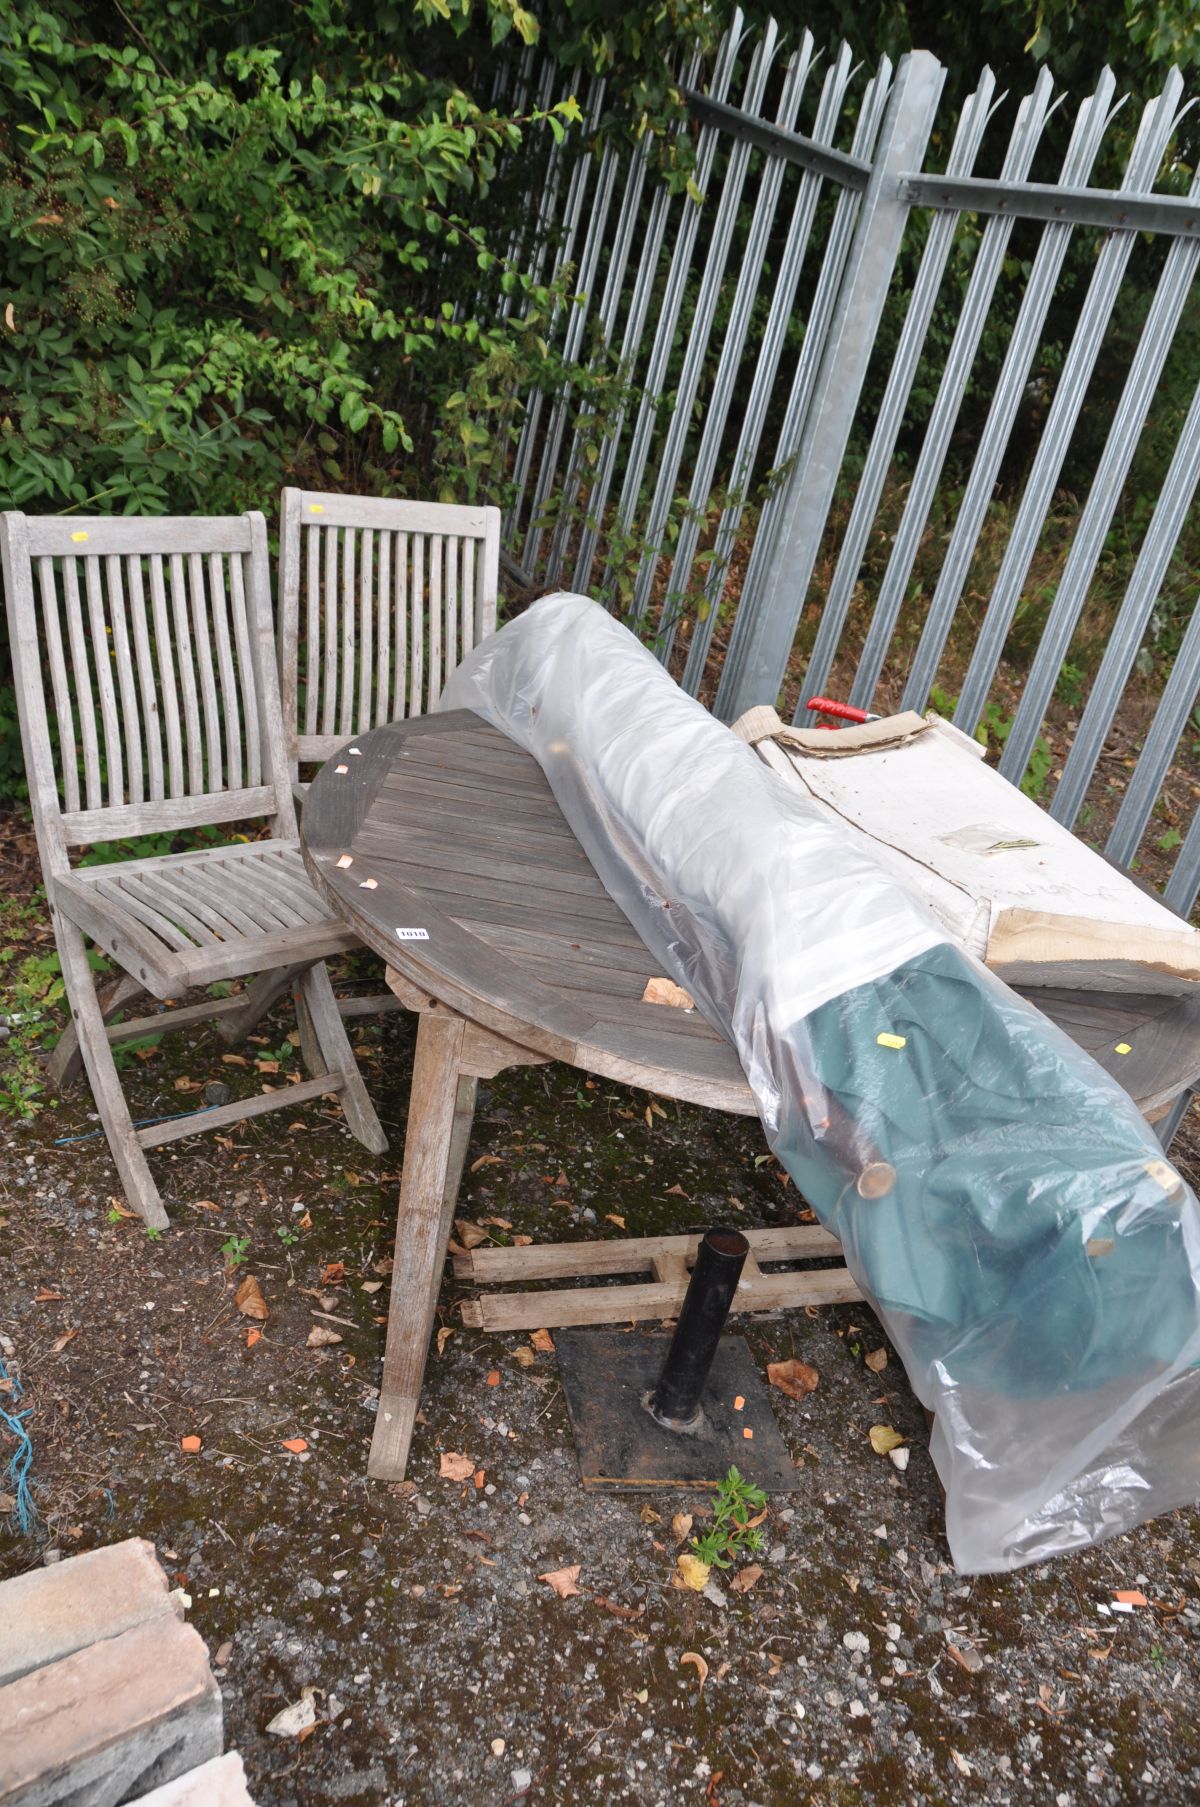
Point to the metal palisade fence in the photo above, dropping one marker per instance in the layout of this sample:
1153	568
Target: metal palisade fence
877	323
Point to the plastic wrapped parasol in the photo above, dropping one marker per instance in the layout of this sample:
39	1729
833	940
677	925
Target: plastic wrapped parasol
999	1198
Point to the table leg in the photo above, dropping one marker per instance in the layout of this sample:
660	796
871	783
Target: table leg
439	1123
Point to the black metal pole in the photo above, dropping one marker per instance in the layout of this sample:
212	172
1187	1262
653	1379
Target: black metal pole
675	1403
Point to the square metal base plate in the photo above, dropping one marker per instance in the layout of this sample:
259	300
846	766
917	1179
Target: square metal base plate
605	1376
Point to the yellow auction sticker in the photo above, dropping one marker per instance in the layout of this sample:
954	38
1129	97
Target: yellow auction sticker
1122	1048
892	1041
79	537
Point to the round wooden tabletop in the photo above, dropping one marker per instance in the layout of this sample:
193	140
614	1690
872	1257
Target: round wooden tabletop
441	844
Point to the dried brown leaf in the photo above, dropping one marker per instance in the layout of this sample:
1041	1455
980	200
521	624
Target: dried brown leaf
877	1360
469	1234
564	1581
249	1300
794	1378
681	1526
691	1572
744	1580
443	1337
321	1337
542	1341
701	1667
455	1468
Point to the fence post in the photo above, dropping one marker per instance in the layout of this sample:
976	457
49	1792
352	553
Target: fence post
767	619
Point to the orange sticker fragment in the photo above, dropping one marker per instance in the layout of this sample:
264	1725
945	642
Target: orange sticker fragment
297	1445
191	1444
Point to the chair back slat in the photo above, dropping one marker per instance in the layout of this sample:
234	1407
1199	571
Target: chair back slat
469	555
345	718
231	701
129	714
81	673
110	719
151	715
435	550
366	625
149	645
400	617
203	670
185	665
166	690
247	676
379	602
60	684
416	623
312	631
383	636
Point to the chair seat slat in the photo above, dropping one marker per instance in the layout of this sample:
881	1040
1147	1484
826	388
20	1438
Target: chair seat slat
257	900
175	902
123	893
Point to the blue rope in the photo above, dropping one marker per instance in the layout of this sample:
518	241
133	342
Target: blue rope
22	1459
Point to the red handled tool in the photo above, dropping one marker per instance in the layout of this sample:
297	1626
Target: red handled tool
844	712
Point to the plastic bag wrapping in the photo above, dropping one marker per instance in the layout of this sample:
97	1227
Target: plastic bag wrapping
999	1198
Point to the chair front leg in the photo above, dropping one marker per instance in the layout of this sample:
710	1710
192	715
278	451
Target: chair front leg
434	1142
88	1019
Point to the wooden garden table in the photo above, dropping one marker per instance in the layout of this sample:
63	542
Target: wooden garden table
441	844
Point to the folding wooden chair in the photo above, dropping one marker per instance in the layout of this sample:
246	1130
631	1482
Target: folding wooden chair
394	594
156	637
379	600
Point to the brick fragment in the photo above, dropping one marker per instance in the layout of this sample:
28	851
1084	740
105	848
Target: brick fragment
50	1612
112	1721
221	1783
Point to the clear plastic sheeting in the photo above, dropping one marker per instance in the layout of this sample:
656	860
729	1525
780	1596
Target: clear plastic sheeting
999	1198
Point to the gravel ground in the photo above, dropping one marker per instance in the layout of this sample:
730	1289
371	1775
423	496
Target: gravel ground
859	1667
